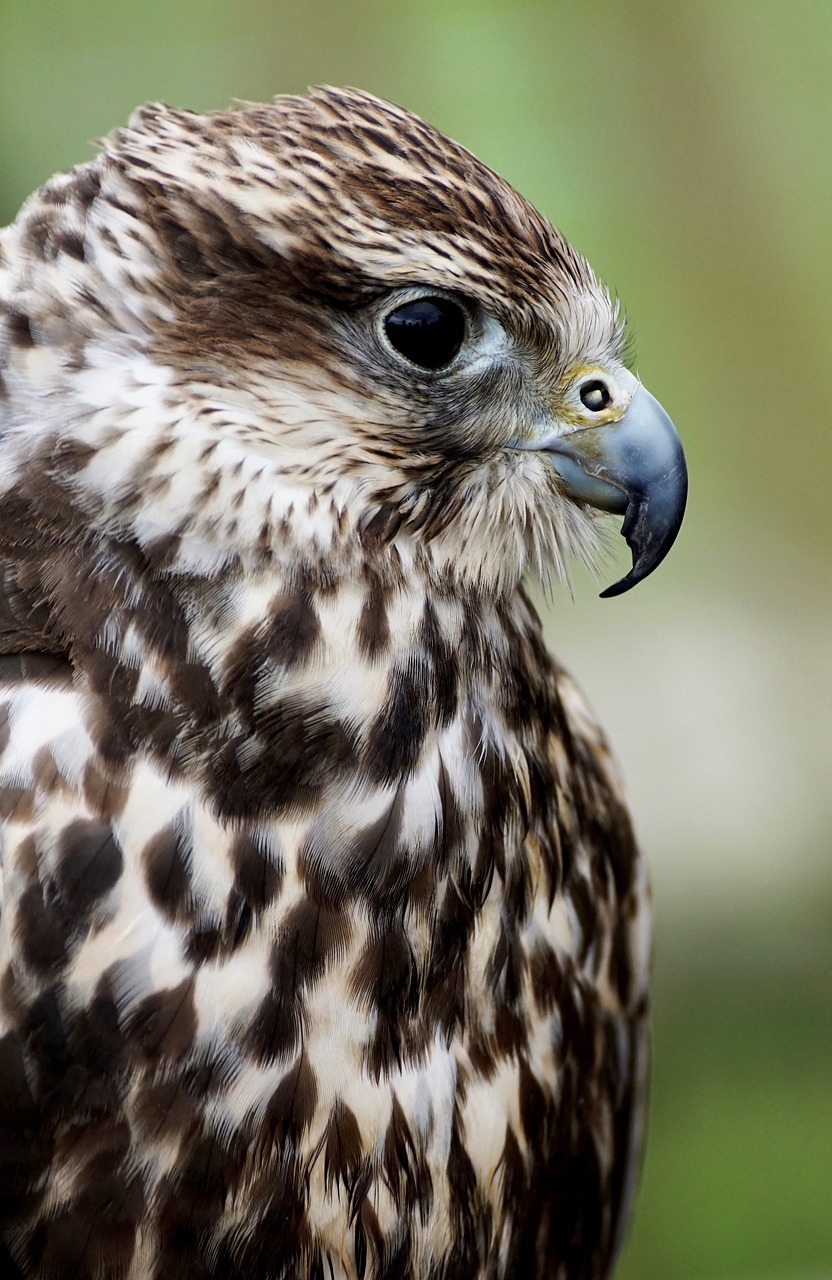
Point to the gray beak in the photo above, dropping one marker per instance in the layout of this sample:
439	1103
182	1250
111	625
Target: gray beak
634	467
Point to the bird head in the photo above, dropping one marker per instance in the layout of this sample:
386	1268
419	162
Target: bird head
320	326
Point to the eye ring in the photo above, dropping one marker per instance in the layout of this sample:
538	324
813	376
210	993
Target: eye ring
427	330
595	395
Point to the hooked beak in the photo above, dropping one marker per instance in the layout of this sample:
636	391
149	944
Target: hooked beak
634	467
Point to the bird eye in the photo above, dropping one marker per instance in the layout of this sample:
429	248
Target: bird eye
595	395
427	331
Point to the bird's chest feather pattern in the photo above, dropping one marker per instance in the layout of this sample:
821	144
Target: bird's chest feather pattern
323	949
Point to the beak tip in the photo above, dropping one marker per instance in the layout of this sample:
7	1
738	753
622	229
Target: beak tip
618	588
651	523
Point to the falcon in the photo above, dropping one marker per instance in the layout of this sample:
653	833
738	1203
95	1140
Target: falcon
325	947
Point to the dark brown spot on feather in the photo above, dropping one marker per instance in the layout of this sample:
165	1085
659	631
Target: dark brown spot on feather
388	143
292	629
86	185
89	863
396	736
111	677
468	1214
373	624
104	721
621	963
343	1148
192	688
164	1024
385	980
586	909
312	936
504	973
544	971
42	929
274	1028
377	866
16	803
258	874
284	640
514	1175
20	328
167	859
155	730
52	671
291	1107
301	747
518	891
70	243
164	1109
444	664
207	941
445	979
103	796
405	1168
368	1238
535	1106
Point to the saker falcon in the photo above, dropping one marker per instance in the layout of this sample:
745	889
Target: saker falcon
324	948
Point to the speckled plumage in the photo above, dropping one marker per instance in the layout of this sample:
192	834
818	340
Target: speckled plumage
324	946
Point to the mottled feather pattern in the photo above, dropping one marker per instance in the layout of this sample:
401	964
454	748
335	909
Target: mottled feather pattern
324	948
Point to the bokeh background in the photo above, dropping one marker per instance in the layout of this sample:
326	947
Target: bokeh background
685	148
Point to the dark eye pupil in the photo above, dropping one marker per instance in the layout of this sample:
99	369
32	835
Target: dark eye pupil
595	395
427	331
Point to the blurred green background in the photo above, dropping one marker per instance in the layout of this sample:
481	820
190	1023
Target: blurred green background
685	148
